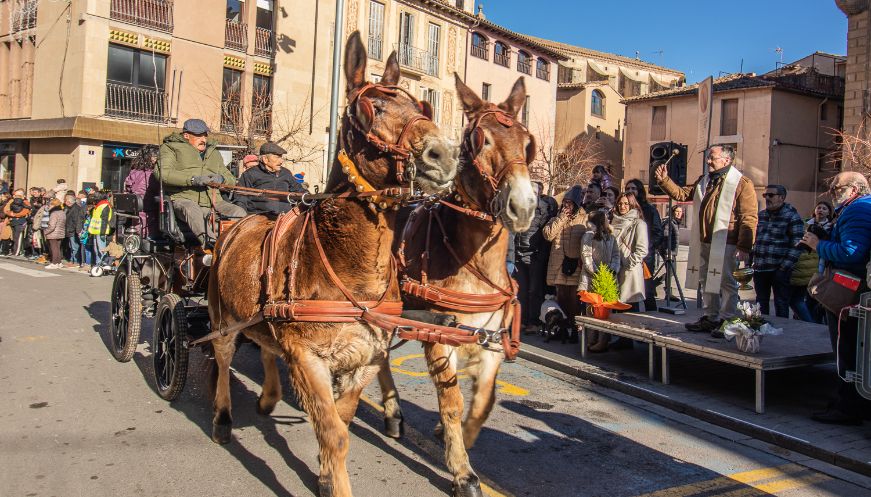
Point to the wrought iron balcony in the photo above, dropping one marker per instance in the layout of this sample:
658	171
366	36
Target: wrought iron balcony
263	45
524	66
132	102
374	47
543	72
416	59
236	36
481	51
154	14
503	59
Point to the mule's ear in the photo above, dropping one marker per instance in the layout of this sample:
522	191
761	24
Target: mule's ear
355	61
391	71
471	102
516	98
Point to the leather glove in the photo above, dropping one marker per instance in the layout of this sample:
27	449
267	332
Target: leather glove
201	180
216	178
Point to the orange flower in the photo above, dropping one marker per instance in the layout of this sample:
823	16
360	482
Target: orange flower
595	300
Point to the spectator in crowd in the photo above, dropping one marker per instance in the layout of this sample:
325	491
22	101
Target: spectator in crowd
630	230
75	224
601	177
591	195
54	232
713	258
59	191
249	161
610	194
17	210
5	228
779	230
564	232
268	175
189	162
4	188
808	264
654	239
142	182
846	249
100	226
530	260
598	246
39	222
670	228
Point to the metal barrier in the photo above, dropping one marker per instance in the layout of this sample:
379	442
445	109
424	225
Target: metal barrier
131	102
862	375
236	36
263	42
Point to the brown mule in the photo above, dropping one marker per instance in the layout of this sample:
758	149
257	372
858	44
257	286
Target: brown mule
462	254
385	133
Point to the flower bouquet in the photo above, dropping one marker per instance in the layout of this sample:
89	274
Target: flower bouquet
748	328
605	295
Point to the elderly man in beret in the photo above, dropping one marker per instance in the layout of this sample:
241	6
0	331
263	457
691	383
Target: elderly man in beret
268	175
189	162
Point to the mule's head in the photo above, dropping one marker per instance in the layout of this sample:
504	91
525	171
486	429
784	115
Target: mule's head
388	133
497	150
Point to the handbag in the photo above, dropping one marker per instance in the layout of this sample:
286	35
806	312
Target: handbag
569	265
834	289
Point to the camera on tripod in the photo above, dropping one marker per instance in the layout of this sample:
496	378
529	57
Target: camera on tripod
817	230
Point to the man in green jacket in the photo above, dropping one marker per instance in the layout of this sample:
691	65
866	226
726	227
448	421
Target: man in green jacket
188	162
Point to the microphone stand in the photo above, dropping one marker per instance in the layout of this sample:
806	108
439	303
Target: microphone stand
669	262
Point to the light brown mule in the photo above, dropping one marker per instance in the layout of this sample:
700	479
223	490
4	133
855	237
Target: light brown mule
330	363
467	253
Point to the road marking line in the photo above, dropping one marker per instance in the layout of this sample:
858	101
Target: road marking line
503	387
758	482
29	272
411	431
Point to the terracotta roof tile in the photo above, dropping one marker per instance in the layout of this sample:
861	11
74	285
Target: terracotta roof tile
572	50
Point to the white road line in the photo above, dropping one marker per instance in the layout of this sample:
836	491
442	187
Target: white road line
29	272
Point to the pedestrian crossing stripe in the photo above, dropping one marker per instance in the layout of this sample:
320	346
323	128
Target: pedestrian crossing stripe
29	272
502	387
753	483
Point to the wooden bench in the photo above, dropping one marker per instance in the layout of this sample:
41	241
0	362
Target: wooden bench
801	344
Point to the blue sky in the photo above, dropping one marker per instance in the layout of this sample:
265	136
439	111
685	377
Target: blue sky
699	37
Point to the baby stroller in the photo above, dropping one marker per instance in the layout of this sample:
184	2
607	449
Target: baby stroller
104	260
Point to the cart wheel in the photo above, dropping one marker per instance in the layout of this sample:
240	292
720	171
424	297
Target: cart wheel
126	315
169	347
96	271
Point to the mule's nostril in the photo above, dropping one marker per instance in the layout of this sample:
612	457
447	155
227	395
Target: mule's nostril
433	154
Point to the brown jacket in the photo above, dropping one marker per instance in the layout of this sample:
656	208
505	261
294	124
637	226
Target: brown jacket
742	224
565	235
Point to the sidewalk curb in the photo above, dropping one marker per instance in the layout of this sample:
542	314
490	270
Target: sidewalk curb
758	432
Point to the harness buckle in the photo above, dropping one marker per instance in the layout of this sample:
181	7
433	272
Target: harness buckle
482	336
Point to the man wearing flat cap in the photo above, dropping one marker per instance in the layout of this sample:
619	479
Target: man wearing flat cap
188	162
268	175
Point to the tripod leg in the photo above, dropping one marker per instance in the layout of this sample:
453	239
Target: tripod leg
677	283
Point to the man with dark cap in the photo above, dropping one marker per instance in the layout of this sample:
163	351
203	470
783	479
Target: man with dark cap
268	175
188	162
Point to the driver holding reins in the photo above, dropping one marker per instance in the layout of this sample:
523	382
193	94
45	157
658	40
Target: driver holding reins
188	162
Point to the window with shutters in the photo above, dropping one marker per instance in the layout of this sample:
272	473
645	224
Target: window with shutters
597	103
524	113
432	96
432	55
485	92
657	125
729	117
376	30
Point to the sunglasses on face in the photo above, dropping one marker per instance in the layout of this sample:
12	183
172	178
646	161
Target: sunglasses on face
770	195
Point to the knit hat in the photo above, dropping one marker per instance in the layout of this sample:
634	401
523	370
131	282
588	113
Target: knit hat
299	177
249	158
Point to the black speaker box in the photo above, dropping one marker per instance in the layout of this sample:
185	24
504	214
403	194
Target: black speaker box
677	167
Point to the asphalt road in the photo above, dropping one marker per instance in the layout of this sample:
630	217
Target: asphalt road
74	422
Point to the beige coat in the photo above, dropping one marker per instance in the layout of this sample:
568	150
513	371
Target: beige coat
565	236
631	233
595	252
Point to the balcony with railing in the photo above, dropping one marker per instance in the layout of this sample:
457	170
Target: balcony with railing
153	14
524	66
132	102
236	36
263	45
374	47
481	50
417	60
542	71
503	58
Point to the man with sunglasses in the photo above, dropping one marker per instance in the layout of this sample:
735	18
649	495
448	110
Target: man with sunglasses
724	202
189	162
846	249
775	252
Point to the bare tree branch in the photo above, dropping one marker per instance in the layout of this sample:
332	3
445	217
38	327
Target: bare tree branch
559	170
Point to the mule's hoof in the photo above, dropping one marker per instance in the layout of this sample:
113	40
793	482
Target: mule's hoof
221	434
264	411
325	487
394	427
469	486
439	430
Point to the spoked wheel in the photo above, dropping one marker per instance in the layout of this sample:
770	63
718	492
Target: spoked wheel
126	315
169	347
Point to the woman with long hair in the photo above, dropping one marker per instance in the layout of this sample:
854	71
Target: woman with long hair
141	182
598	246
654	238
630	230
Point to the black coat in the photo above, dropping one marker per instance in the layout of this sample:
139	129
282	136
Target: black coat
654	233
76	215
259	177
531	241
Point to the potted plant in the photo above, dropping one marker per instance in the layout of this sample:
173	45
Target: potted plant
748	328
605	294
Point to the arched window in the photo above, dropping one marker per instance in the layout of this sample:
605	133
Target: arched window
524	62
501	54
542	69
597	103
480	46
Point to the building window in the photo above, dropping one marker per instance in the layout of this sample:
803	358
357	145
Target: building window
824	112
501	54
480	46
564	74
376	30
485	92
406	38
434	98
231	99
261	105
460	4
524	113
729	117
432	56
263	45
264	14
597	103
657	126
135	83
542	69
236	10
236	30
524	62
